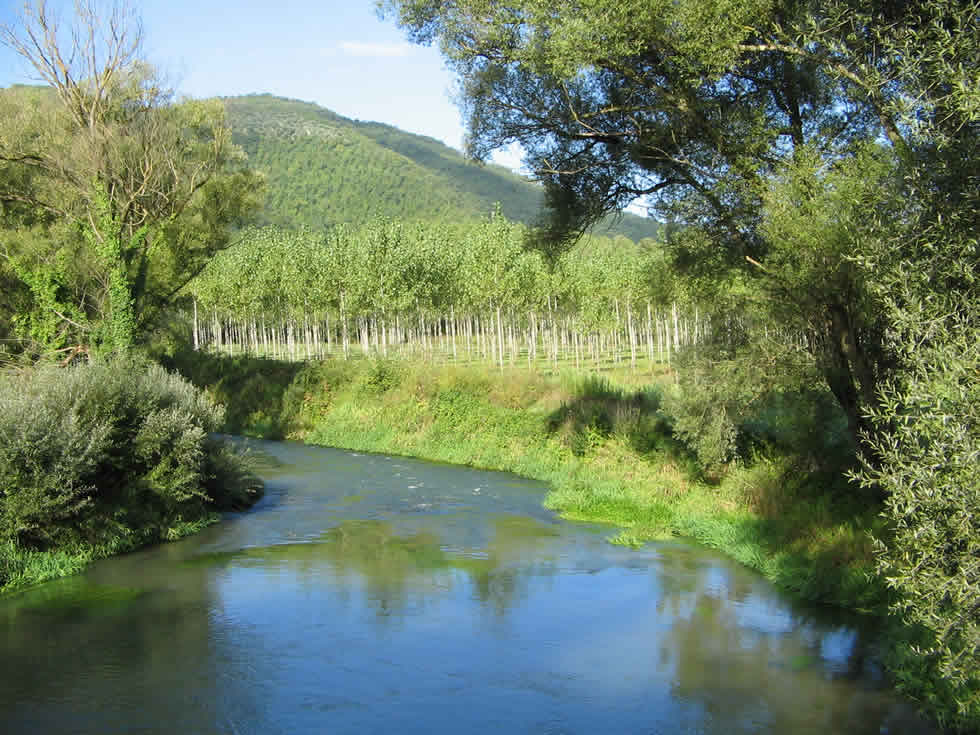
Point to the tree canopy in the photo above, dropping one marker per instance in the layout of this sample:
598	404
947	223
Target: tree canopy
114	192
703	108
689	103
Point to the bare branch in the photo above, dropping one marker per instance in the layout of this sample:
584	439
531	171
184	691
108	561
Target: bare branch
83	61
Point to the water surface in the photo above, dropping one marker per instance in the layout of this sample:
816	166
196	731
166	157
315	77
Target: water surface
370	594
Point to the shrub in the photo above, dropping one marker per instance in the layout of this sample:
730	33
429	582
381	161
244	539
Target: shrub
928	458
925	451
382	375
729	405
92	453
707	404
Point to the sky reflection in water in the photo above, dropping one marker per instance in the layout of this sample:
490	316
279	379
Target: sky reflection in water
377	594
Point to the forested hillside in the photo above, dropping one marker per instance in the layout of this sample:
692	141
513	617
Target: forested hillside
324	169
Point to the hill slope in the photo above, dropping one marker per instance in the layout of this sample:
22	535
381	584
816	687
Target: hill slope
324	169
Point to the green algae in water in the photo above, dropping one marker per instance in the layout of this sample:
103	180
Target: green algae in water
518	527
210	559
74	597
801	662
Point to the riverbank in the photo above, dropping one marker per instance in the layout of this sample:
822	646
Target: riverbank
607	453
606	448
372	593
21	567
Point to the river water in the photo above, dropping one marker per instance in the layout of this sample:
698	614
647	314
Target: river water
372	594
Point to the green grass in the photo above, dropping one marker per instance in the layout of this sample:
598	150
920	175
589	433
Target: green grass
21	568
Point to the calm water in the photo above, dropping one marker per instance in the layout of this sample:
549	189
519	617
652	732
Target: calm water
369	594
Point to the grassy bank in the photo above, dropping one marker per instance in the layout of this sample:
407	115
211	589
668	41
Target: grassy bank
607	453
22	567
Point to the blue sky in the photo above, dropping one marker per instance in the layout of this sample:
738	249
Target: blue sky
336	54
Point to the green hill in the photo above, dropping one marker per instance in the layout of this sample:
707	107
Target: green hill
325	169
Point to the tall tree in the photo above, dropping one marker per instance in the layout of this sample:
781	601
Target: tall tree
695	105
128	191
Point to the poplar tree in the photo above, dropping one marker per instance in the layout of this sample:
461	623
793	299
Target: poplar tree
695	106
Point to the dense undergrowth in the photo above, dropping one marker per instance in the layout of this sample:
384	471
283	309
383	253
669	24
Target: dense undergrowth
103	458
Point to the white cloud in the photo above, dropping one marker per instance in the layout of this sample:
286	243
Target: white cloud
637	207
376	49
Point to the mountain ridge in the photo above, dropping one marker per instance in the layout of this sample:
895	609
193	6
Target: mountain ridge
324	169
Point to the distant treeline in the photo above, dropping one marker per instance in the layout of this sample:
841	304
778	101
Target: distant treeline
456	291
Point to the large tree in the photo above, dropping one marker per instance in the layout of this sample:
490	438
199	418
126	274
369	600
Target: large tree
113	193
703	107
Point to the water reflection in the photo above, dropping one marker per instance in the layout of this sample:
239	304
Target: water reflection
374	594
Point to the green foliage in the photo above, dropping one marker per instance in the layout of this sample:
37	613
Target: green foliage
41	317
929	460
116	333
251	389
731	405
105	219
109	451
707	404
709	429
696	105
652	98
391	278
383	375
20	567
819	218
48	452
322	169
927	451
600	411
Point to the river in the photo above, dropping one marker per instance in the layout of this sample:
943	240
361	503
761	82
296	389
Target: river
373	594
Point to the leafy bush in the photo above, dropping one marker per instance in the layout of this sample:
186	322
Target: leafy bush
707	404
925	449
729	405
93	453
929	455
383	375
